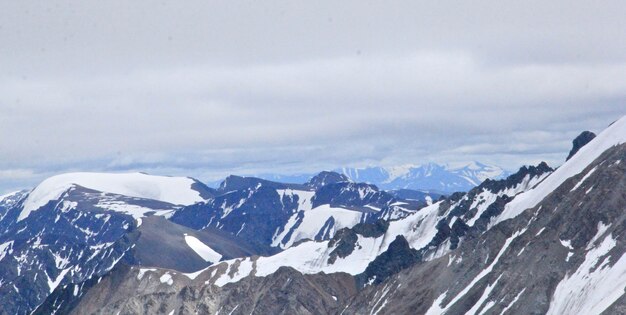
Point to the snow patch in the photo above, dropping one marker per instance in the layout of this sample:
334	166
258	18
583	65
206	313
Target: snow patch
313	220
142	271
437	308
594	286
602	228
204	251
166	278
584	178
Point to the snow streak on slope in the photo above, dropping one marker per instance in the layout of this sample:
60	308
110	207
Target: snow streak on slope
204	251
611	136
135	211
594	286
315	221
175	190
438	308
308	222
486	197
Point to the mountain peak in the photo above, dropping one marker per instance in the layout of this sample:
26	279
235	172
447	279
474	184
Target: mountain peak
326	177
174	190
580	141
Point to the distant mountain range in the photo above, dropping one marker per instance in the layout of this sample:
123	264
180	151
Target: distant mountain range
431	177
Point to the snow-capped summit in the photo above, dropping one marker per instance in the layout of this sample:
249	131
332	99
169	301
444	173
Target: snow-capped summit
174	190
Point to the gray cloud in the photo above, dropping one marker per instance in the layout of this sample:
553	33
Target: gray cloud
210	88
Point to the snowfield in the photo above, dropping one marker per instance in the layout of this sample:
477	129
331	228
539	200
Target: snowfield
174	190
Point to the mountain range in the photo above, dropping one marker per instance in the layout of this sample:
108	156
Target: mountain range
431	177
538	241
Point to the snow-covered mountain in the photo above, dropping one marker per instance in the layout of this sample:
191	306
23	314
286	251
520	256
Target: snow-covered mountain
540	241
77	226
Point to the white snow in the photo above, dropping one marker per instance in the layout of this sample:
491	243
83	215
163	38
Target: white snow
9	195
312	257
594	286
437	308
175	190
166	278
313	220
584	178
193	275
611	136
142	271
485	198
395	172
513	302
204	251
52	284
135	211
567	244
6	248
418	228
602	228
483	298
304	197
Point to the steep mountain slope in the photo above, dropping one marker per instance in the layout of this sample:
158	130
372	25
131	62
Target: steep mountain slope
563	255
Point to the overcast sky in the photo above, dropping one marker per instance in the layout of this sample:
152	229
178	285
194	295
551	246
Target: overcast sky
208	88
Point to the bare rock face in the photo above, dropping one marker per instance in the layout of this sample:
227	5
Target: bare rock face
580	141
131	290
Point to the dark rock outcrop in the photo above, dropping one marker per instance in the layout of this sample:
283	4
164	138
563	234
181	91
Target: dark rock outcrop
580	141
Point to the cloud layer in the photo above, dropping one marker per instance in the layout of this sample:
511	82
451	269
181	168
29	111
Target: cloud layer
210	88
